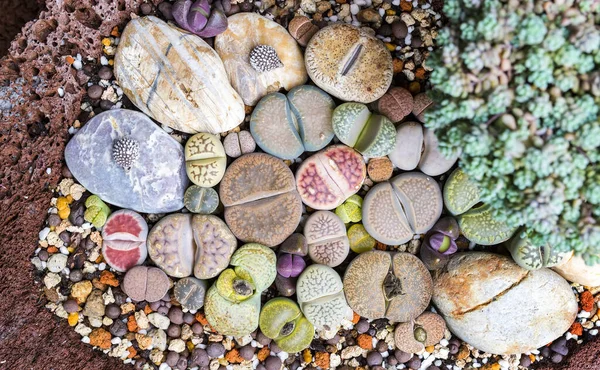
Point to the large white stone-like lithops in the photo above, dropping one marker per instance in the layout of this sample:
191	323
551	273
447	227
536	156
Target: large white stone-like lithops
182	244
260	57
349	62
408	204
205	159
326	236
320	294
176	78
260	199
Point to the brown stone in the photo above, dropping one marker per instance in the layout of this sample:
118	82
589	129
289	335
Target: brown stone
100	338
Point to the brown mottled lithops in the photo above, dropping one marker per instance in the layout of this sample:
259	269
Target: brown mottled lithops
396	104
238	143
426	330
380	284
142	283
260	199
349	63
302	29
408	204
205	159
190	292
181	244
328	243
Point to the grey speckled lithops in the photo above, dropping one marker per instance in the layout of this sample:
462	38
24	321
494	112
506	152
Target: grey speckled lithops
328	243
532	257
201	200
287	126
460	194
320	294
189	292
409	204
479	226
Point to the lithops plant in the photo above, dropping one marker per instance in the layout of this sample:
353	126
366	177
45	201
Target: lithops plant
302	29
421	103
232	304
238	143
205	159
198	17
396	104
371	134
295	244
349	63
124	240
326	179
143	283
440	243
533	257
184	85
96	211
260	199
326	236
426	330
360	240
417	147
479	226
380	284
320	294
409	204
290	265
190	292
260	57
460	193
281	320
286	126
351	210
201	200
182	244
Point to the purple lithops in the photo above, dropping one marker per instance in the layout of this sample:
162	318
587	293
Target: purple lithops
290	265
440	243
198	17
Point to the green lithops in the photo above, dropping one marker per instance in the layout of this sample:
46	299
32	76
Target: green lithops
232	304
351	210
282	321
460	194
360	240
532	257
373	135
201	200
96	211
479	226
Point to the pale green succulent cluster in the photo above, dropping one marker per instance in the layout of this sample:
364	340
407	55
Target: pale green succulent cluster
517	91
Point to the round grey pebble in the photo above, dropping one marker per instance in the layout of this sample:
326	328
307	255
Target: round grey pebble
391	360
197	328
147	9
247	352
176	315
105	73
113	311
95	91
75	276
263	339
215	350
433	367
335	340
174	331
118	328
182	364
65	236
381	346
261	367
163	310
70	305
399	29
154	306
54	220
172	358
414	363
275	348
402	356
166	10
43	255
199	357
362	326
106	105
374	358
525	361
273	363
556	358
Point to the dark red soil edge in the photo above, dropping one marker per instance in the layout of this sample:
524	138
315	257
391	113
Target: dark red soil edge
33	133
15	13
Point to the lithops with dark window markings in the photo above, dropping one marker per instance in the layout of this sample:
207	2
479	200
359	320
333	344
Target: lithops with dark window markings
260	199
201	200
326	179
205	159
190	292
533	257
176	78
328	243
426	330
380	284
409	204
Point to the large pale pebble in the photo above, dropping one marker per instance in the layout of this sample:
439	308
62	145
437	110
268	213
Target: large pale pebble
576	270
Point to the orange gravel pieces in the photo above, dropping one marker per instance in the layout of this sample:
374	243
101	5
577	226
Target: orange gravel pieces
365	341
201	318
108	278
576	329
355	318
586	300
322	360
100	338
233	356
263	353
131	324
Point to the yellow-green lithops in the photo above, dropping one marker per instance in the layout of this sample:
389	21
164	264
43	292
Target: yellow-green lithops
282	321
205	159
96	211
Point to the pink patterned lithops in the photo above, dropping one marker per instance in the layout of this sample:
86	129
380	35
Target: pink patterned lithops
124	240
326	179
328	243
143	283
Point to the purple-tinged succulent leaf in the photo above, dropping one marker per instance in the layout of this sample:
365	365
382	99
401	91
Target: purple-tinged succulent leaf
289	265
441	243
432	259
179	11
447	226
217	23
198	15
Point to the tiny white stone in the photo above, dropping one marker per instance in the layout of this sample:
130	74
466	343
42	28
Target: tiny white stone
354	9
396	2
103	61
102	266
594	332
164	366
115	340
77	64
333	18
44	233
61	92
64	250
85	339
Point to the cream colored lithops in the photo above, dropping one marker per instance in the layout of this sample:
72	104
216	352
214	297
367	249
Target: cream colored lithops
260	57
205	159
349	63
176	78
328	243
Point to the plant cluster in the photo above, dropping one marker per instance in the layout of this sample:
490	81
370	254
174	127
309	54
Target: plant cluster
517	92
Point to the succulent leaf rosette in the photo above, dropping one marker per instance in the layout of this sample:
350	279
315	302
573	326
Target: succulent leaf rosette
517	90
197	17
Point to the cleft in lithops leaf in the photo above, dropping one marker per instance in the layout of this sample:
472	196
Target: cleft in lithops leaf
533	257
282	321
460	194
96	211
426	330
205	159
328	243
201	200
479	226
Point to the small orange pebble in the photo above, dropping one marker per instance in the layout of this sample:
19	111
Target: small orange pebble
355	318
115	32
406	5
147	310
132	324
100	338
365	341
532	358
111	62
98	285
99	259
190	346
430	349
52	249
307	356
586	300
69	59
248	109
414	87
420	73
398	65
132	352
201	318
108	278
263	353
390	12
73	318
576	329
380	246
106	41
233	356
64	213
322	360
62	203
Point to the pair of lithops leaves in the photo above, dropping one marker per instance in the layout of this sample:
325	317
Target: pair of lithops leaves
381	284
260	199
282	320
371	134
417	147
476	220
290	263
286	126
182	244
440	243
409	204
198	17
205	159
326	236
326	179
426	330
533	257
232	303
198	199
124	240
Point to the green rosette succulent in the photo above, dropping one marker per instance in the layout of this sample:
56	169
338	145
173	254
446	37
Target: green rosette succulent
232	304
96	211
282	321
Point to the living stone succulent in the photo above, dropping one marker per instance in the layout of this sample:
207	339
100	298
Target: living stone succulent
326	236
290	265
460	193
439	243
281	320
198	17
409	204
517	90
351	210
532	257
96	211
190	292
381	284
232	304
426	330
326	179
371	134
260	199
396	104
320	294
205	159
143	283
286	126
198	199
124	240
182	244
238	143
295	244
360	240
302	29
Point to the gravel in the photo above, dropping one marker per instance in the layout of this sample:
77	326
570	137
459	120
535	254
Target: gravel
215	350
